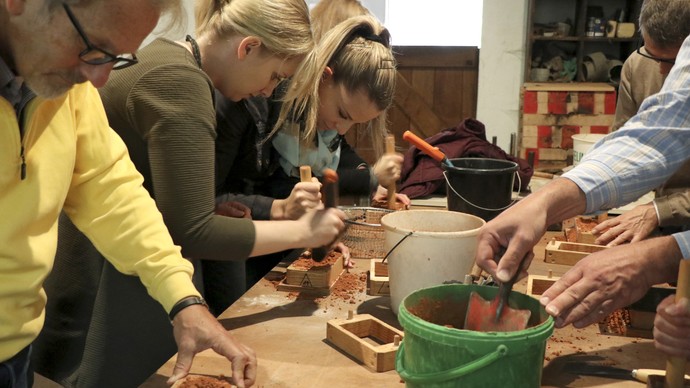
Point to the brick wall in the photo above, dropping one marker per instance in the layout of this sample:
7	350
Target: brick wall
552	113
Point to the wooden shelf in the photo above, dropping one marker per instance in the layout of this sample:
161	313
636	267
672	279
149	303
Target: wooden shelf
577	45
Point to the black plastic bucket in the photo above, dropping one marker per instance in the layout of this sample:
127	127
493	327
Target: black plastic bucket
480	186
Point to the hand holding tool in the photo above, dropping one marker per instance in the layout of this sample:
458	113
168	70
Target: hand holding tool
675	366
330	199
496	315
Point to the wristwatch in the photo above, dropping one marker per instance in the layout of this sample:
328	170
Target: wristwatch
184	303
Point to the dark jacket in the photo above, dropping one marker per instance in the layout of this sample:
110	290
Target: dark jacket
422	176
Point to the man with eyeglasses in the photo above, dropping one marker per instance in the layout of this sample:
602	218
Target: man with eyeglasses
650	147
664	24
58	153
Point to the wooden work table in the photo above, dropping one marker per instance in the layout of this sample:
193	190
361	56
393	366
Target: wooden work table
288	333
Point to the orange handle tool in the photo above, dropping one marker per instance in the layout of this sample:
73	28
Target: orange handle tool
427	148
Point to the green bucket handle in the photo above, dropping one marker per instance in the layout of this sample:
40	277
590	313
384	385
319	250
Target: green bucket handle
454	373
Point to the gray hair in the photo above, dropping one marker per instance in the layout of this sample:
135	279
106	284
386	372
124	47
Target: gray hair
665	22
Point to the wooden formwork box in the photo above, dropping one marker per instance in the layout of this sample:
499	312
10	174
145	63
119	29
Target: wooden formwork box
568	253
379	283
641	319
351	335
316	280
537	284
553	112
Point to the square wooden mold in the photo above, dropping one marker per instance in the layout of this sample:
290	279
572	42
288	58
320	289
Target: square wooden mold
367	339
537	284
317	279
568	253
378	278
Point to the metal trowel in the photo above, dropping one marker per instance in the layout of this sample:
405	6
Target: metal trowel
496	315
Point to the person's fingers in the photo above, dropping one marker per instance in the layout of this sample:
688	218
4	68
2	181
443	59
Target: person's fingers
510	261
182	365
238	371
582	304
609	235
671	341
621	239
596	313
485	254
559	297
604	225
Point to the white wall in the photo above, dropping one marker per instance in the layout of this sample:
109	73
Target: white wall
501	63
176	34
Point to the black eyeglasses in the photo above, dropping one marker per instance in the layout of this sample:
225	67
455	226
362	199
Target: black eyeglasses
97	56
670	61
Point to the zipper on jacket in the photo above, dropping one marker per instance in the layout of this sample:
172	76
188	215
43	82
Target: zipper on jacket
22	173
20	119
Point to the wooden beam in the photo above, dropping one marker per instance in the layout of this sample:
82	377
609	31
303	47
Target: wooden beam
437	57
414	106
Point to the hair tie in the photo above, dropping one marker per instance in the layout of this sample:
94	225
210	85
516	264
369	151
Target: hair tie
376	38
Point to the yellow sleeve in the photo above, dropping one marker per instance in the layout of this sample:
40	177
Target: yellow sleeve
109	204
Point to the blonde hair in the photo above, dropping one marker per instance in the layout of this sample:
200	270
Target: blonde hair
359	53
282	25
328	13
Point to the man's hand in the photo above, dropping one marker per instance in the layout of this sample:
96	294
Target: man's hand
610	279
632	226
195	330
672	327
509	238
504	242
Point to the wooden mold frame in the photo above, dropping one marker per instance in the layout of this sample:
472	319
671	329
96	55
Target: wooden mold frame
581	227
378	278
568	253
537	284
315	281
366	339
627	321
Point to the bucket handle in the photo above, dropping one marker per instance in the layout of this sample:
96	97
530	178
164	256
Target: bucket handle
454	373
396	245
445	175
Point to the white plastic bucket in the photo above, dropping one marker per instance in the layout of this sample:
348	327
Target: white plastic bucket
582	142
428	248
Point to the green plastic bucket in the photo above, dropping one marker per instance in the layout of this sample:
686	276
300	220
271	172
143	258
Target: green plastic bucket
436	354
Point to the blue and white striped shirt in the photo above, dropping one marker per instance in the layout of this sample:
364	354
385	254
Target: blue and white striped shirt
645	152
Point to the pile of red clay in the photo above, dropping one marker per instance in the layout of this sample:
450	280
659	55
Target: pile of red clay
305	262
198	381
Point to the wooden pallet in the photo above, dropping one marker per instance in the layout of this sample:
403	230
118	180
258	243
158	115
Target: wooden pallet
315	281
367	339
378	278
568	253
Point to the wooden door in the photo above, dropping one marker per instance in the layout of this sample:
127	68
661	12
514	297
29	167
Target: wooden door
436	89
